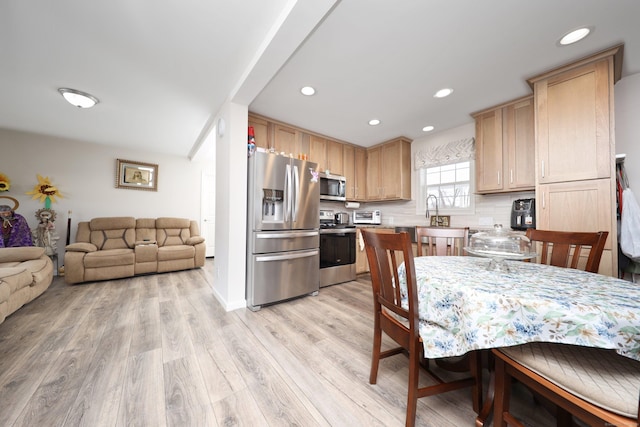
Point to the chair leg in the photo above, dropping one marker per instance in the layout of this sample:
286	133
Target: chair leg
475	367
502	394
412	398
375	355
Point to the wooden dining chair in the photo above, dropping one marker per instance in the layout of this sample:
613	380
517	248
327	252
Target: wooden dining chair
563	373
565	248
597	386
385	252
441	241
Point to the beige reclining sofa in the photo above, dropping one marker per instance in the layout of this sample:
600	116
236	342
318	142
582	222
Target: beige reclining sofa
25	273
117	247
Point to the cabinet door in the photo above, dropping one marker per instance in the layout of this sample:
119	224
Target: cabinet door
349	171
362	265
489	152
573	115
318	152
373	173
261	129
360	174
519	138
286	140
579	206
390	175
335	162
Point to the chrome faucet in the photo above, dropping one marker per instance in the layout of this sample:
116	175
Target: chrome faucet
438	219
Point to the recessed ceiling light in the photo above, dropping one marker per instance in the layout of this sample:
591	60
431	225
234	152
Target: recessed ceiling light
77	98
374	122
443	92
428	128
574	36
308	90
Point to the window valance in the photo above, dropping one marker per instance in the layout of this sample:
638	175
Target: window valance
445	154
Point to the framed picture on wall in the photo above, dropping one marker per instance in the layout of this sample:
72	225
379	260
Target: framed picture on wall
135	175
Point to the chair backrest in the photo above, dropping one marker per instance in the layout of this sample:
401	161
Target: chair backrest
385	252
564	248
442	241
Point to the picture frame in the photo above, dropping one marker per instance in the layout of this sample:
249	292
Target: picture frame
134	175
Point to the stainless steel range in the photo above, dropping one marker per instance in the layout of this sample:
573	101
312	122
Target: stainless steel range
337	250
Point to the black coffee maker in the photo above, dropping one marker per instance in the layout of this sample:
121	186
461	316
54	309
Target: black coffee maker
523	214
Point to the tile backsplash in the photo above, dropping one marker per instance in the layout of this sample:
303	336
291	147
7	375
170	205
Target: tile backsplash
489	209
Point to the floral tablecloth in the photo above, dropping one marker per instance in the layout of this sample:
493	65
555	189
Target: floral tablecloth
463	307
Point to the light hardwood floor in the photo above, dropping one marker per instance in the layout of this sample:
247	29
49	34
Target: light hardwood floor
159	350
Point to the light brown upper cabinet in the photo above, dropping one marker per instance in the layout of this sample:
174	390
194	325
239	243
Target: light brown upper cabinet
287	140
349	160
335	161
327	154
505	147
389	170
574	111
262	132
575	143
318	151
361	175
355	170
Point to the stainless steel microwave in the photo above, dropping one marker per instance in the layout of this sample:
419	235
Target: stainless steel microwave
333	187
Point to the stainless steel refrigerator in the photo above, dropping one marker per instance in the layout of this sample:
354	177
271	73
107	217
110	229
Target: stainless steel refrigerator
283	219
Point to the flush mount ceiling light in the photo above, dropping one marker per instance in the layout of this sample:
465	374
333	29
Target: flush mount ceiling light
443	93
308	91
428	128
77	98
574	36
374	122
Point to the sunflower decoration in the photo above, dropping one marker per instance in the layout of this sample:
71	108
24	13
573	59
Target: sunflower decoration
45	191
5	183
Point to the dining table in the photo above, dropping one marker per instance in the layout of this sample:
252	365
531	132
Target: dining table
464	306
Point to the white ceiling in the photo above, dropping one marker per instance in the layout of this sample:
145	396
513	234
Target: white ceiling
162	69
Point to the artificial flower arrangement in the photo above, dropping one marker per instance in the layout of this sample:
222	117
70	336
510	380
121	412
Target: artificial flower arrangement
5	183
45	191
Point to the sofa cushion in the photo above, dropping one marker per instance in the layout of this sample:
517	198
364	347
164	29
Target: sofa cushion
20	254
167	253
172	231
109	258
113	233
16	277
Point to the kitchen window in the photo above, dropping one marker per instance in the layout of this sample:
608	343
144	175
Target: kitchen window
445	173
450	184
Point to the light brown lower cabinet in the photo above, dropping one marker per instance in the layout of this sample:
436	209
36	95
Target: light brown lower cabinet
580	206
362	265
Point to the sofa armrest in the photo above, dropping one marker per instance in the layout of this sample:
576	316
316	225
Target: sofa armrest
81	247
20	254
194	240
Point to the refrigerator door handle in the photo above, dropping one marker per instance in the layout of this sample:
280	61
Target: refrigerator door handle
296	192
287	193
286	257
286	235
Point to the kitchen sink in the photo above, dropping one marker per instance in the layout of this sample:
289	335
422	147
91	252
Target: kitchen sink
410	230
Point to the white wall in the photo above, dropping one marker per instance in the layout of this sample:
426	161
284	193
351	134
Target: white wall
627	117
231	208
85	174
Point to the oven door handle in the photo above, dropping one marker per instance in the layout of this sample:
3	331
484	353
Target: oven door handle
286	235
265	258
